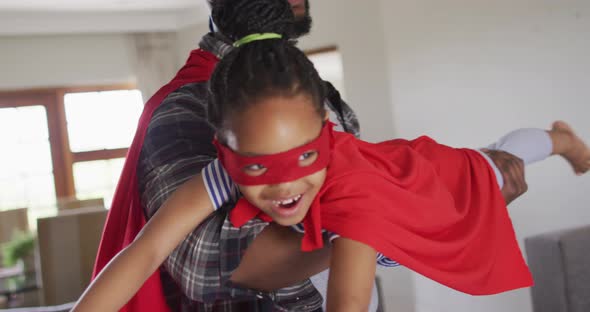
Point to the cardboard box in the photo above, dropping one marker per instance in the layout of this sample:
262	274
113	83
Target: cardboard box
68	244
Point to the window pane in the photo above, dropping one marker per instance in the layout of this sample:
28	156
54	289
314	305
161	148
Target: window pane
97	179
25	124
26	170
14	194
102	120
41	192
329	66
36	156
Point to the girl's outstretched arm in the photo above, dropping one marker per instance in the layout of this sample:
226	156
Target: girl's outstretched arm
352	274
125	273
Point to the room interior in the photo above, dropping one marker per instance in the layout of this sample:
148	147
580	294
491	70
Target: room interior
460	71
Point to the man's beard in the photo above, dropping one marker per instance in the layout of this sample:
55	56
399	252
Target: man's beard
303	23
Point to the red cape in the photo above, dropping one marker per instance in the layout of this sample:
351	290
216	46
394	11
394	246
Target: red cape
434	209
126	216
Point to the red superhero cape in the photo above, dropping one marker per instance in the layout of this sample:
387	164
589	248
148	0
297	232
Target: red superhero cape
126	216
434	209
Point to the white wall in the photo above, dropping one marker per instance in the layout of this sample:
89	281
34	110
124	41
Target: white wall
64	60
357	30
466	72
188	39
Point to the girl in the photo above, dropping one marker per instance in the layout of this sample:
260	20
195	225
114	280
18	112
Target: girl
432	208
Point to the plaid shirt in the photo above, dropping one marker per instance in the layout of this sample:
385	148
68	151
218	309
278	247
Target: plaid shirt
178	146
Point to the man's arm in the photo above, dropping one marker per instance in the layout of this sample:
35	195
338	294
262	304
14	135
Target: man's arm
274	260
178	144
512	169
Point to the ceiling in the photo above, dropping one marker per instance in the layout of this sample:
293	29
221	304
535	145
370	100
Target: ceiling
41	17
97	5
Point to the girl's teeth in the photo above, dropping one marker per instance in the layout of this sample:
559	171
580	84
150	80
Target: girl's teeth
288	201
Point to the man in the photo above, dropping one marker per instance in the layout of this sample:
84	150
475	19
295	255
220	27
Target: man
172	145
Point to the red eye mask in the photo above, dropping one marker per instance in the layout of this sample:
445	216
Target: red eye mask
280	168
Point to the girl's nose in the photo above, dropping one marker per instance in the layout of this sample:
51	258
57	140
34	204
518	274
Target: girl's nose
281	189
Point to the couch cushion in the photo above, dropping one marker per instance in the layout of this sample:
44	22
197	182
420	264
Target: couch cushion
575	247
560	263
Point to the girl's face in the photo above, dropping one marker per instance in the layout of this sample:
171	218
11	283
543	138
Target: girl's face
274	125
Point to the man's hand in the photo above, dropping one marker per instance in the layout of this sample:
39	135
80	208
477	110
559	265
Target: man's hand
512	169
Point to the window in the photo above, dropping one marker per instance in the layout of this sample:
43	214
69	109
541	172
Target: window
328	63
71	142
102	120
26	169
100	126
64	143
97	178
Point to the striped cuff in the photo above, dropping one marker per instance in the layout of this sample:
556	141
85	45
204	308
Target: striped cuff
386	262
220	187
333	236
329	235
298	228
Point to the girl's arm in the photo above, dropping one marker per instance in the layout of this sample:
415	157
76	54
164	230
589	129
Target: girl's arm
186	208
352	273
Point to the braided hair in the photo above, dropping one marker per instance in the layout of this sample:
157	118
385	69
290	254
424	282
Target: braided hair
259	69
302	24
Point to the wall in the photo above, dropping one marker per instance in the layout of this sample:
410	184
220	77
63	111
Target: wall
466	72
188	39
64	60
358	34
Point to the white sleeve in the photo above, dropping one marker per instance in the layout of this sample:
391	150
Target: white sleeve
220	187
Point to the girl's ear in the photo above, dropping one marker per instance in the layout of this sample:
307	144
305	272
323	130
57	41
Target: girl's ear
327	115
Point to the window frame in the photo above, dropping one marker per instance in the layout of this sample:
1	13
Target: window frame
63	159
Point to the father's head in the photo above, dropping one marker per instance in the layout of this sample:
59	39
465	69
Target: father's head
300	10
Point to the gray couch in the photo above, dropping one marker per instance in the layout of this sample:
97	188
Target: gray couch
560	263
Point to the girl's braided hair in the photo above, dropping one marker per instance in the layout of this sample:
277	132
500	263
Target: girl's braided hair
259	69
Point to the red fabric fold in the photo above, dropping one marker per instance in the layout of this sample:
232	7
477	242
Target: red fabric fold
434	209
126	216
244	211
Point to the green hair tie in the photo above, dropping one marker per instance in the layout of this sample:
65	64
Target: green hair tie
256	37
